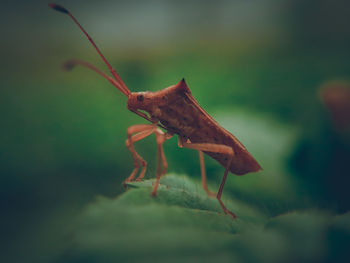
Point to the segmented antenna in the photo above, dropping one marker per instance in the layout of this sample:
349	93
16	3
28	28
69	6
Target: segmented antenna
119	82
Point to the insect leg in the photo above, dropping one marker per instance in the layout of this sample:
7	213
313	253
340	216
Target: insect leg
141	131
204	178
222	187
161	137
217	148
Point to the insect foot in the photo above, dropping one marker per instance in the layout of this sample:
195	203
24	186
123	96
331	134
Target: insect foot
230	213
154	193
226	211
125	184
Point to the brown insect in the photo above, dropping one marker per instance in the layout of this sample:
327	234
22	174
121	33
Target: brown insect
175	110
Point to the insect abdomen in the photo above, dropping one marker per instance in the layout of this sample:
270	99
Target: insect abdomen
183	116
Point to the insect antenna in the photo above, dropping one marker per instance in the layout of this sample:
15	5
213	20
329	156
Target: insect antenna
118	82
70	64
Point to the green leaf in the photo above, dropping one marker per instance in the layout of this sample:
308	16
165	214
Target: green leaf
181	223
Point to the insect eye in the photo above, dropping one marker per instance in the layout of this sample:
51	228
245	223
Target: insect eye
140	97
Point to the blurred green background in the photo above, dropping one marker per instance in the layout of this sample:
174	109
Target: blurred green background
255	66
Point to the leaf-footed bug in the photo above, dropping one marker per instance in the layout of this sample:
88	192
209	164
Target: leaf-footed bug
175	110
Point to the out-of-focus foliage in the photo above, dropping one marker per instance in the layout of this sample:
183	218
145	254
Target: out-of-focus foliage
255	66
183	224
